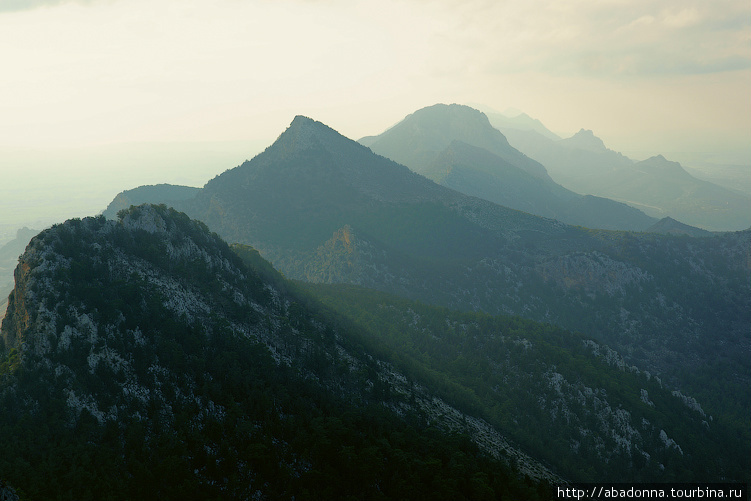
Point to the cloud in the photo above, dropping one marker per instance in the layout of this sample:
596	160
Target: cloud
608	38
21	5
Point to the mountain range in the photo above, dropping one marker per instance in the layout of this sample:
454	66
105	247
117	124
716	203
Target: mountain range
408	324
323	208
457	147
657	186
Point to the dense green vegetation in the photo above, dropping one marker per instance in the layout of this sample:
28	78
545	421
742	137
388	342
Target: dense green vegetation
110	394
527	378
283	437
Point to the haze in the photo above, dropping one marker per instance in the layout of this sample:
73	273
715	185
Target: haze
100	96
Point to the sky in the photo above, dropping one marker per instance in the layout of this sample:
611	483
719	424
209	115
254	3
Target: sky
106	95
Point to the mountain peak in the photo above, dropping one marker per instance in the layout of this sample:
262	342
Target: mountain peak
451	116
417	140
305	133
660	164
302	130
670	226
585	139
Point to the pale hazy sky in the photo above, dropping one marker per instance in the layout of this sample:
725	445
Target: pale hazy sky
646	75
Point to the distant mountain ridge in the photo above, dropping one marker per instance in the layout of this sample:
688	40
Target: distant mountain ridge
670	226
457	147
656	186
416	140
520	121
160	193
584	140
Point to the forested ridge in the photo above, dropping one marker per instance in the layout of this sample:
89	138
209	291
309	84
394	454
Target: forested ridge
564	398
144	360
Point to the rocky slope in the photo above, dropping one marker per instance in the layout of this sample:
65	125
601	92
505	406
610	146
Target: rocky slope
164	366
8	260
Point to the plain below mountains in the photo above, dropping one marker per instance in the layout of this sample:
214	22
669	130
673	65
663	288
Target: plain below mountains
323	208
457	147
657	186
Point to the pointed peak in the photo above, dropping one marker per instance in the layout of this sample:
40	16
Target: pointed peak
302	120
659	160
304	133
659	163
670	226
585	139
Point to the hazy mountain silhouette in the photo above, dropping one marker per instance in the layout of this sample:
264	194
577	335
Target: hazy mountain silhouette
478	161
670	226
160	193
522	121
656	186
584	140
418	139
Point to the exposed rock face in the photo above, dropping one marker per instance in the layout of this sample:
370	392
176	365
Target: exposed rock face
7	493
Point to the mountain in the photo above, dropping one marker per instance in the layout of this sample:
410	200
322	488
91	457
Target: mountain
323	208
670	226
477	172
656	186
520	121
159	193
146	358
312	182
584	140
661	187
478	161
416	140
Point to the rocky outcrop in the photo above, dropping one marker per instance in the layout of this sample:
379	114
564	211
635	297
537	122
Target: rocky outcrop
7	493
98	302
